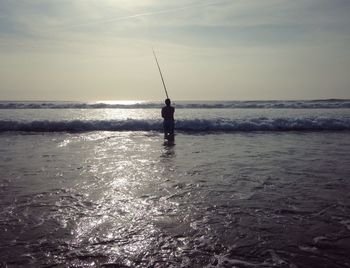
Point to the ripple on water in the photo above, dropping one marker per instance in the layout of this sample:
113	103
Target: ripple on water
126	200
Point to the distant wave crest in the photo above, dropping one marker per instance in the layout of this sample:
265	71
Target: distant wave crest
314	104
196	125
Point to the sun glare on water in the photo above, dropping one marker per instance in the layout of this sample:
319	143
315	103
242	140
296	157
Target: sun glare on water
121	102
125	109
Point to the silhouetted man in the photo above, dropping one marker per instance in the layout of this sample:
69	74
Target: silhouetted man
168	124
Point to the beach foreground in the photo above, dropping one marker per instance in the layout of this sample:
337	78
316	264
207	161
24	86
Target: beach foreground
245	199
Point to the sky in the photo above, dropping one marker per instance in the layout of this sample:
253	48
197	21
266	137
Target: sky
93	50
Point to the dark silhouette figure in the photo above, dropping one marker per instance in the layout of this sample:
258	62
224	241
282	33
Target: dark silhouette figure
168	123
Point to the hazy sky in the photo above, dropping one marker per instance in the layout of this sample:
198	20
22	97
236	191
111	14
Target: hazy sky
209	50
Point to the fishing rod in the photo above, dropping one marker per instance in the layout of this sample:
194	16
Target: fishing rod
161	75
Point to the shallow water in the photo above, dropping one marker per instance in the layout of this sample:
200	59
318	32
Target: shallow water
255	199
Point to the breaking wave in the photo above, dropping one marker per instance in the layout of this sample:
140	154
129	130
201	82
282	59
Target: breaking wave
196	125
311	104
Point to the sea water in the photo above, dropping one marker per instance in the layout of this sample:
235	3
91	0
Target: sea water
246	184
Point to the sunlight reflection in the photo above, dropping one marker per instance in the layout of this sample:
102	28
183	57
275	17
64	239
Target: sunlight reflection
126	187
125	114
122	102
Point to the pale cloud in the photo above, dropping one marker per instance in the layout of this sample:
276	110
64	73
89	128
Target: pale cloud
262	49
252	19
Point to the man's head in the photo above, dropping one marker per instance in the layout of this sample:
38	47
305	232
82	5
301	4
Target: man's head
167	102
